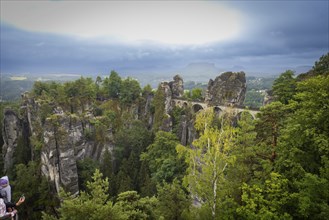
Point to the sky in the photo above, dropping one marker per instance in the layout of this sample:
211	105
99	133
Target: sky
136	38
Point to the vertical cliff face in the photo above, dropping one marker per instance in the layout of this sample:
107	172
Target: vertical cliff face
186	130
172	89
228	88
177	87
58	154
12	131
64	139
67	140
165	86
147	112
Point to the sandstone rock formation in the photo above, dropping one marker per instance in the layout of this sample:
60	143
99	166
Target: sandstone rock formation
177	87
268	98
63	141
146	111
58	161
228	88
172	89
66	142
186	130
12	131
165	86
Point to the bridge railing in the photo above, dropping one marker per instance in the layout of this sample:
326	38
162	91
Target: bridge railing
232	105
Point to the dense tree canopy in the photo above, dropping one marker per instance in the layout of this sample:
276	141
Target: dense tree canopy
284	87
321	67
162	158
112	85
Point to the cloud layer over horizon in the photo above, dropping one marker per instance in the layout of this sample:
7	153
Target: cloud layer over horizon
257	37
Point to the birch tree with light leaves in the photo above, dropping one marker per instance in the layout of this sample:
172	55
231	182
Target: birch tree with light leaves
209	158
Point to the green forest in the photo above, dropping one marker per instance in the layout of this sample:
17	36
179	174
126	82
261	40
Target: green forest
274	166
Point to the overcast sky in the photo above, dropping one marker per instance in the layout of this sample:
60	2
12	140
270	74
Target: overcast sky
134	37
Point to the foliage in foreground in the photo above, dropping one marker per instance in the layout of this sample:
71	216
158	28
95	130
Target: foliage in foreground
95	204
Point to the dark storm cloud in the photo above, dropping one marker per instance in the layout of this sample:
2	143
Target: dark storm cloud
38	52
278	35
281	35
287	25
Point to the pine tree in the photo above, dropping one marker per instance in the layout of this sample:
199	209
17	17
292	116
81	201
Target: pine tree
106	168
162	158
173	200
284	87
246	161
92	204
146	185
123	179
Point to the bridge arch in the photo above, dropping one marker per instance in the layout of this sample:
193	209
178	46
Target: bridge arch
217	110
237	117
251	114
247	114
196	108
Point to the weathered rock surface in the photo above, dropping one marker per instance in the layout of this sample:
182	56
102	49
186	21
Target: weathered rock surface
11	132
148	114
177	87
57	156
171	90
65	143
168	96
268	98
228	88
186	130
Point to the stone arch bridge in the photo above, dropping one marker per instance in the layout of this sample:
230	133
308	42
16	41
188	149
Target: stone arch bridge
197	106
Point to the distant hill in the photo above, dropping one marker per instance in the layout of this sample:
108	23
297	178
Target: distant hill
201	72
12	85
